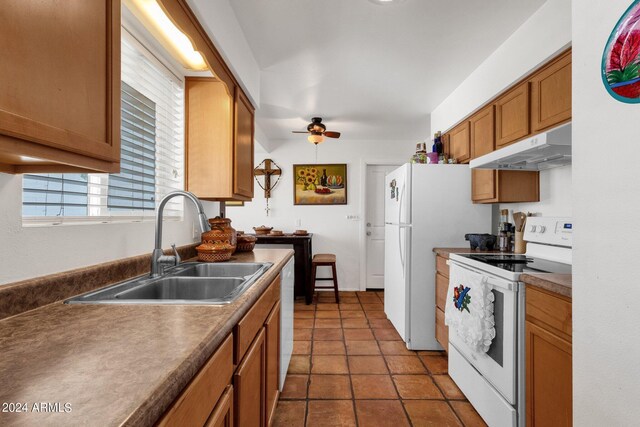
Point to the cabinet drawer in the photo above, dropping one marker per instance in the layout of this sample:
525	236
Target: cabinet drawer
441	266
442	330
198	400
442	284
549	311
246	330
222	415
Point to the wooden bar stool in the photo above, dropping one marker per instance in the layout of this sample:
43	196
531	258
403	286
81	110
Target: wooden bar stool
324	260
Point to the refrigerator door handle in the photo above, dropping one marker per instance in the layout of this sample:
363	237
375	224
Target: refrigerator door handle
400	247
400	207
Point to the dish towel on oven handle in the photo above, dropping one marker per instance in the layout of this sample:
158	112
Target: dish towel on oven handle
469	309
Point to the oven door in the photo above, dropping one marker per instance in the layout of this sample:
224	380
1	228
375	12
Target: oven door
498	365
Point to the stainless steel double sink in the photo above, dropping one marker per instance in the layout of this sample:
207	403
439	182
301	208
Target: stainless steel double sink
187	283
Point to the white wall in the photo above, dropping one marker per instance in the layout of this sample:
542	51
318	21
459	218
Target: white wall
606	204
542	36
35	251
332	231
220	22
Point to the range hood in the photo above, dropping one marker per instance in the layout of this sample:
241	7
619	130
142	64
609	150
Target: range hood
539	152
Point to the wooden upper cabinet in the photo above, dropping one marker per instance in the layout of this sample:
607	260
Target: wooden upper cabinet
551	94
483	185
459	142
512	115
60	86
218	141
243	146
482	129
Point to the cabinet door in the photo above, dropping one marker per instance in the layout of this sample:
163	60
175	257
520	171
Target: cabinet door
442	330
548	381
483	185
60	85
482	132
459	142
249	407
243	147
272	328
512	115
222	415
551	94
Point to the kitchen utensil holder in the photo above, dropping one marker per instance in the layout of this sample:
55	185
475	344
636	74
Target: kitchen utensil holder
521	244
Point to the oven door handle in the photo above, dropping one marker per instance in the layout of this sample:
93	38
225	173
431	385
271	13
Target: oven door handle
491	280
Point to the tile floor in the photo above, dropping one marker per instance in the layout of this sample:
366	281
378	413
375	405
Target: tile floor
350	368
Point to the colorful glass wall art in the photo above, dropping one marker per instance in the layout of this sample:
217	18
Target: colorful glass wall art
621	57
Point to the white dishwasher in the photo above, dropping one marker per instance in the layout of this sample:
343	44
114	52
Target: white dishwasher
286	319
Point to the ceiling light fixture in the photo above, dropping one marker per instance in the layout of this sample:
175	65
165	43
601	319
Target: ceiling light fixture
164	30
316	138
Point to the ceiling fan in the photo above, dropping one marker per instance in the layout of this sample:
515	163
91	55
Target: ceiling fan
317	131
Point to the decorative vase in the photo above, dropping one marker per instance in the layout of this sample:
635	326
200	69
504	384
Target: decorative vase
221	236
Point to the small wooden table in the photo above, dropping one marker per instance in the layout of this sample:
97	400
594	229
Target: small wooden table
302	256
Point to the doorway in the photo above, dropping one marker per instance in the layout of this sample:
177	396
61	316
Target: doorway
374	224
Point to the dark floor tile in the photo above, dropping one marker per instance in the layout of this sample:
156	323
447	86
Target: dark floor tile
373	387
330	387
358	335
302	347
431	413
362	348
405	365
328	323
448	387
387	334
380	413
397	348
367	365
302	334
290	414
468	414
416	387
299	364
329	348
323	413
327	334
328	314
329	365
303	323
355	323
295	387
435	364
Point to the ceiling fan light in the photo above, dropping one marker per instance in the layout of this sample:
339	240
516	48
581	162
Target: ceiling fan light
315	138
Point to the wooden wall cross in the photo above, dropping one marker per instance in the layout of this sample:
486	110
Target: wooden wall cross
267	171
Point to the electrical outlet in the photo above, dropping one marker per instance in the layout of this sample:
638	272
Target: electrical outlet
298	222
194	231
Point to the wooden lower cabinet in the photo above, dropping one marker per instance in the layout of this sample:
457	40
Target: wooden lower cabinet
218	396
222	415
197	401
548	359
489	186
442	285
272	370
249	384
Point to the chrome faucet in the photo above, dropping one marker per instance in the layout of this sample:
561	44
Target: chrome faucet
158	260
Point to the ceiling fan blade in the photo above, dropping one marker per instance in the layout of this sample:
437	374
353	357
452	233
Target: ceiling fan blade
299	131
332	134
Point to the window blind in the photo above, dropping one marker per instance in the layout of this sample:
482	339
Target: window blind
152	155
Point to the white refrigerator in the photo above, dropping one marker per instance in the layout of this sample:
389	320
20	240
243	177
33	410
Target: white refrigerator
426	206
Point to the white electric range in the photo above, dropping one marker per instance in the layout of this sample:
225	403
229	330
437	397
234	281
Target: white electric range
494	382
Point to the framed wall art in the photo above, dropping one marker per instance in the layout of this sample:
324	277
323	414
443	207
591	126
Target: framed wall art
621	57
320	184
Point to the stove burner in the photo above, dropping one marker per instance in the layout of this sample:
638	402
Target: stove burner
502	259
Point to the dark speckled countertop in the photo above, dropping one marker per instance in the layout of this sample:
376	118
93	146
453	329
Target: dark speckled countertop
557	283
115	364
